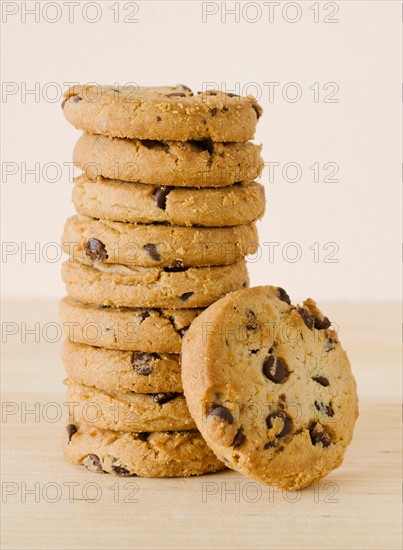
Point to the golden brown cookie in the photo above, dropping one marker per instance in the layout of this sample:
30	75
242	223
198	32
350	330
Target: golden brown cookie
134	329
175	163
121	201
129	411
158	454
151	245
157	113
122	371
151	287
270	387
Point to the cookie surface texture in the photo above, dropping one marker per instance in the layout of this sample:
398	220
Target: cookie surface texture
174	163
152	287
157	454
121	201
133	329
150	245
122	371
159	113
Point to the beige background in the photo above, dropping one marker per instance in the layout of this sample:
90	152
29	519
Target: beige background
171	44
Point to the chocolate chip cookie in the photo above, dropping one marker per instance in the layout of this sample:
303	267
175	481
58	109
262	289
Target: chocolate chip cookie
172	163
151	287
133	329
158	113
121	201
150	245
122	371
270	387
158	454
128	412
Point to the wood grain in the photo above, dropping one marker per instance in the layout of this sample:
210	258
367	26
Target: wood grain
357	506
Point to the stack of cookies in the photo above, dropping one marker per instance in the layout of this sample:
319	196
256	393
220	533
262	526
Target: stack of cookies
166	210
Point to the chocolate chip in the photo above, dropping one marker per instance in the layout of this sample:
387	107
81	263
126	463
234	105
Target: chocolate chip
254	351
283	296
319	435
251	321
322	380
143	436
184	87
160	196
175	269
64	102
77	98
257	110
205	145
270	444
322	324
71	430
225	108
183	331
213	111
95	250
233	95
141	362
286	429
118	469
306	317
93	463
324	409
185	296
239	438
159	119
153	144
171	319
223	413
176	94
162	398
143	315
275	369
152	252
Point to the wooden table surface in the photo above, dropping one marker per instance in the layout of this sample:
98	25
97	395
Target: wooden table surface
47	503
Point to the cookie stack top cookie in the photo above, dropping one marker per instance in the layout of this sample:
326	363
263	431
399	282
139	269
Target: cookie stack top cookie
161	113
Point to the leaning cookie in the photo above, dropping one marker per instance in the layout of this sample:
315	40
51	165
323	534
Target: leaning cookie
157	113
122	371
133	329
175	163
158	454
270	387
128	412
121	201
152	287
150	245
